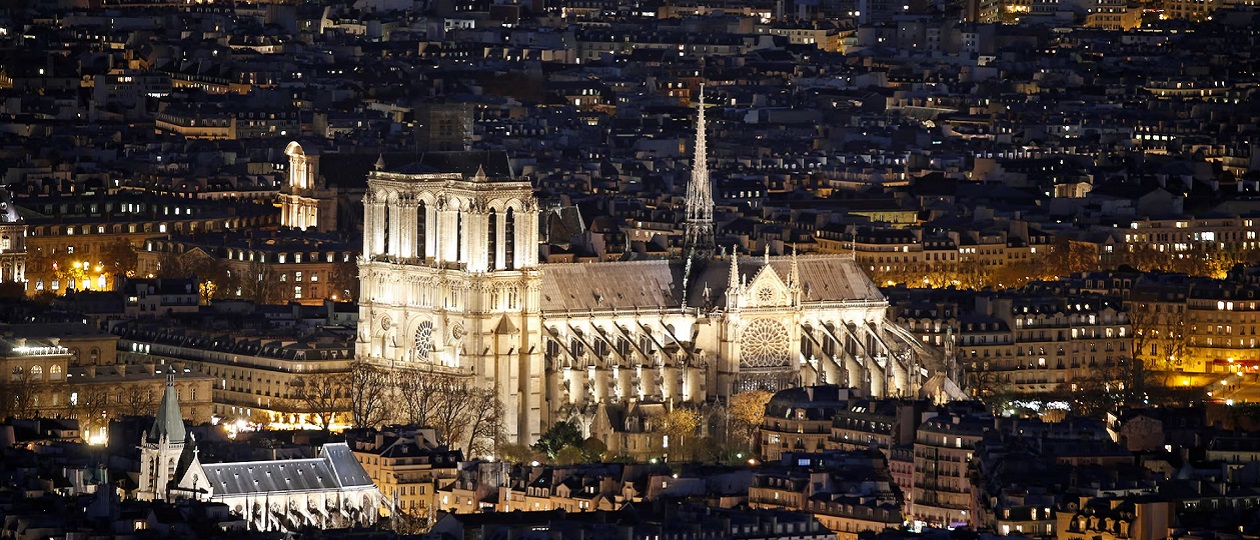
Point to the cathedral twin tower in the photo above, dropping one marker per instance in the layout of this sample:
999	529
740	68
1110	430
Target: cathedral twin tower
451	283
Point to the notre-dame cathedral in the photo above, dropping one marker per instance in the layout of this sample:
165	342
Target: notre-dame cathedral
451	282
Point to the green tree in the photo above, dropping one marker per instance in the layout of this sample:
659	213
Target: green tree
518	453
593	450
570	455
557	437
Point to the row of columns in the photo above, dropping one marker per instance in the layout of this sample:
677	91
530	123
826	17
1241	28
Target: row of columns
406	228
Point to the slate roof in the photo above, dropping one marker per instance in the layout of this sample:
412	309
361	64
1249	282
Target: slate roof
650	285
335	469
657	284
169	421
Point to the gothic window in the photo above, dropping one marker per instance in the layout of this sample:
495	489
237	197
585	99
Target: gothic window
765	295
385	229
763	343
645	343
424	341
37	373
459	235
492	240
422	215
509	241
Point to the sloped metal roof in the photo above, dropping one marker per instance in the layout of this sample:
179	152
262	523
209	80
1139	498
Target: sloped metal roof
169	421
335	469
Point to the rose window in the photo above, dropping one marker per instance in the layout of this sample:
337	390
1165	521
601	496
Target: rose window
424	341
763	343
765	296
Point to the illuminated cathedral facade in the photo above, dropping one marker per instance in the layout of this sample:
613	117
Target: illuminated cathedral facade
451	282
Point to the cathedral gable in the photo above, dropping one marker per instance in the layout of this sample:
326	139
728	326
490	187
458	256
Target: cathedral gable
767	289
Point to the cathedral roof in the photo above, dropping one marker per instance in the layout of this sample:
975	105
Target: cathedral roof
335	469
650	284
656	284
824	278
169	422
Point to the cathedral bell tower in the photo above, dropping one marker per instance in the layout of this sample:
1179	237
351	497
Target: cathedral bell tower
305	199
161	446
449	277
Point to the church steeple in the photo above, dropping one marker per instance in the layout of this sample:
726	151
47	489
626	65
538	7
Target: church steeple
169	422
698	239
162	445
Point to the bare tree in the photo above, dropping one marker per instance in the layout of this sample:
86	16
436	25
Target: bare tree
260	284
138	400
119	258
485	422
18	397
451	409
343	283
418	389
91	406
171	266
367	390
322	394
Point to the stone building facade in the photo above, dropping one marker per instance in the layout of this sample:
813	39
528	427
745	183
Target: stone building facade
450	282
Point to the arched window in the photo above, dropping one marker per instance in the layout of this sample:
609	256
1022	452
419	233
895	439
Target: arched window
422	214
509	241
17	373
459	235
54	372
37	373
385	230
492	240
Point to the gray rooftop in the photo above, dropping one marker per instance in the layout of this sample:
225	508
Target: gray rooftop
335	469
169	422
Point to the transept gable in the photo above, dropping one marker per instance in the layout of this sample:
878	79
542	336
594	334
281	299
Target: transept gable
766	289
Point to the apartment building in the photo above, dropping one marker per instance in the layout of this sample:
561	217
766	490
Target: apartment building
406	465
800	420
941	494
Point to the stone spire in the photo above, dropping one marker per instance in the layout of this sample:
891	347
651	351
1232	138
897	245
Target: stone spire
794	275
698	241
169	422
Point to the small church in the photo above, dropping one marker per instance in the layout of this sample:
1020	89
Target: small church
328	491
